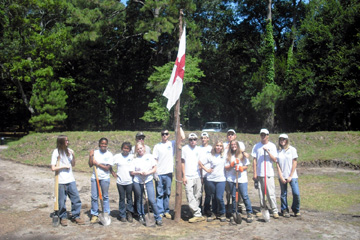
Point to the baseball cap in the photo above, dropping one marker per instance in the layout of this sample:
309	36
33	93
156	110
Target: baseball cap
204	134
193	136
264	130
140	134
283	136
231	130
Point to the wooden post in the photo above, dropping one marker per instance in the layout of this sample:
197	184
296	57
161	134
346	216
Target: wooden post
178	166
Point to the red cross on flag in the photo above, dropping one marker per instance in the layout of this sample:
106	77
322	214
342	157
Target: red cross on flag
175	84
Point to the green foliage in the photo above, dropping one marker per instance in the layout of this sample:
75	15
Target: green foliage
157	84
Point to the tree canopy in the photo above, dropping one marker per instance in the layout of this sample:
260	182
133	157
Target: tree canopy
288	65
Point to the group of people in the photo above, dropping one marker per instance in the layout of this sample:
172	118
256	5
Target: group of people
219	169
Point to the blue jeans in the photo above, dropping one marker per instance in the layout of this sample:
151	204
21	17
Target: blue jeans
163	190
139	192
217	189
125	191
296	195
242	188
208	197
104	185
70	190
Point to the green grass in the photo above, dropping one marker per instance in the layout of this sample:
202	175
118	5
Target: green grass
36	148
332	192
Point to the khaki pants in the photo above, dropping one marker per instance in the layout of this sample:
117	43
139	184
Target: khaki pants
270	193
193	195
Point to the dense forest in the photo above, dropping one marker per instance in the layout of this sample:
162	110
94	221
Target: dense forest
288	65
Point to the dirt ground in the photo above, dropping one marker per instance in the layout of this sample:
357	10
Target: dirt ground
26	202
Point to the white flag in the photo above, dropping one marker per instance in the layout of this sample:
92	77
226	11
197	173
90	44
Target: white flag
175	84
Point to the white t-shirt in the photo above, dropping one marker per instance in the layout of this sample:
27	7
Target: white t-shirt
241	144
164	154
258	153
147	149
105	158
144	164
65	175
217	163
203	152
191	157
123	168
231	174
285	160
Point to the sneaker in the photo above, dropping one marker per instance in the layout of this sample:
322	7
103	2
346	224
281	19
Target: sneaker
196	219
297	214
122	219
64	222
286	214
129	217
249	218
167	215
159	222
222	218
276	215
211	218
142	220
259	214
78	221
94	219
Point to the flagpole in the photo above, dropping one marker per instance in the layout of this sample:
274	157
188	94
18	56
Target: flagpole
178	165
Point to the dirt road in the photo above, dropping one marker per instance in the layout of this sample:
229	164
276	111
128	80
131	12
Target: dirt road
26	201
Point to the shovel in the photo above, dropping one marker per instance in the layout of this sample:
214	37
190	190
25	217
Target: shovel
105	220
56	219
149	220
264	210
236	215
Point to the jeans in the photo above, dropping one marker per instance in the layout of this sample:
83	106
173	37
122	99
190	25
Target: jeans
208	197
70	190
242	188
163	190
104	185
217	189
139	192
296	196
125	191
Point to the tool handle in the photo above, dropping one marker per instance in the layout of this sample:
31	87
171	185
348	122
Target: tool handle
56	190
98	183
265	172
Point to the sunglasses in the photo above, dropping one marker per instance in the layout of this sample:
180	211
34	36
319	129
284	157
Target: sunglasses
164	134
140	138
192	139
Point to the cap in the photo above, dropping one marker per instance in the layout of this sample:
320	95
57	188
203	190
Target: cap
264	130
283	136
204	134
231	130
139	134
192	135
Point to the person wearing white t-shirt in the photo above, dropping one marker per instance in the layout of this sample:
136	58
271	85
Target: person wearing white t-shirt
190	156
231	136
124	182
164	155
205	149
143	167
286	165
216	179
62	161
237	162
140	137
258	154
102	159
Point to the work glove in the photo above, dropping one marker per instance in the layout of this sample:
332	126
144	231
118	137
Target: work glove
239	168
237	161
232	164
